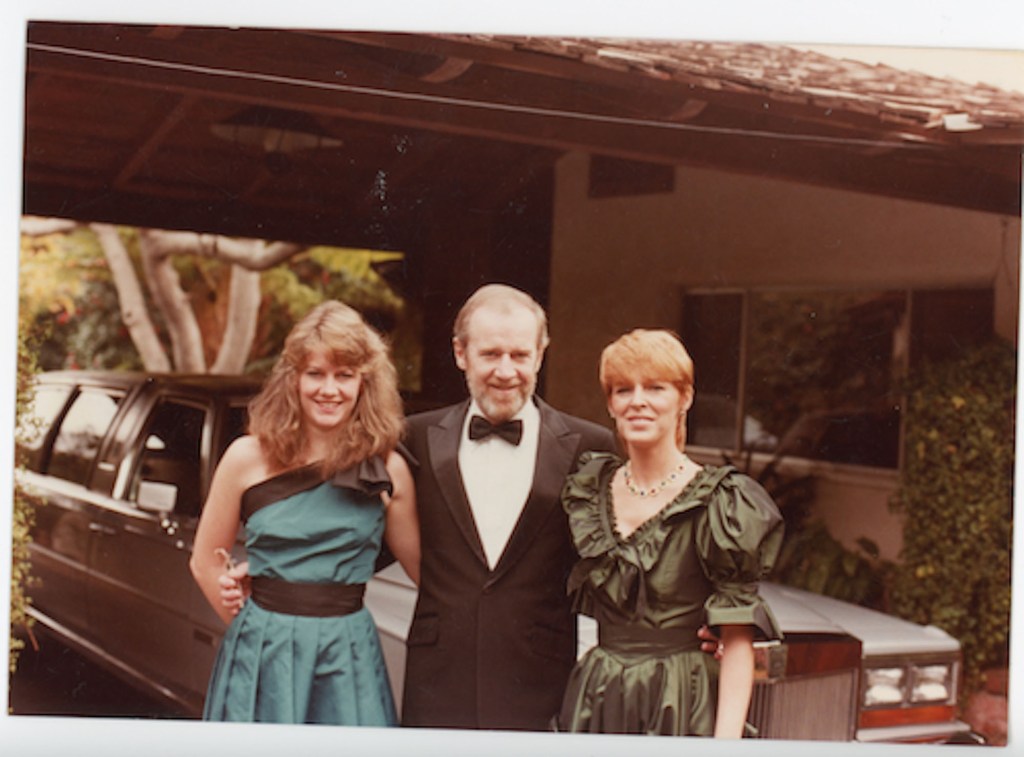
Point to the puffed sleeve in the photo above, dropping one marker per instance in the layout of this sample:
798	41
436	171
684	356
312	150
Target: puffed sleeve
581	499
738	538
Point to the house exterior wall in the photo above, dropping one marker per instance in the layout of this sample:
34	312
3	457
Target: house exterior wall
623	262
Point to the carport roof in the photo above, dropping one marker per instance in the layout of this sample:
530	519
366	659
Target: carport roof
121	122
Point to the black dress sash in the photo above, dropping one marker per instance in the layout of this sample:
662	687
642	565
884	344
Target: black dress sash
368	477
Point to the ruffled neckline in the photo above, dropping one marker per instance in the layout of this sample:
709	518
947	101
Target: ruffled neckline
586	498
673	506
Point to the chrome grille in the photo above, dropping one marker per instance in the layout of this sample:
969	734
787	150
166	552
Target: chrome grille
809	707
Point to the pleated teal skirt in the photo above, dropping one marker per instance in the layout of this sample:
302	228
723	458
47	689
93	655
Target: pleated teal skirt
279	668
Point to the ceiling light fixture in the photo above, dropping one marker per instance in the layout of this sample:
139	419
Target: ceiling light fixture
275	130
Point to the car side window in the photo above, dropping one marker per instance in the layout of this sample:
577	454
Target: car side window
81	433
169	474
34	425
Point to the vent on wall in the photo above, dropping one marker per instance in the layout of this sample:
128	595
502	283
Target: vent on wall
618	177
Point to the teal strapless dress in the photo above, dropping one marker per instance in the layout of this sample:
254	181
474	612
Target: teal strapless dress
289	668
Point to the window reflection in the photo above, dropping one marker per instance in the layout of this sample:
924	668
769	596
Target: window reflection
169	473
80	434
817	374
47	402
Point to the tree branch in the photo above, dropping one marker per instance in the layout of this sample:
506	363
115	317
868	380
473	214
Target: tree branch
130	299
247	256
240	329
252	254
165	285
33	226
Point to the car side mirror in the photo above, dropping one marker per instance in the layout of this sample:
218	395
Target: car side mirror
157	496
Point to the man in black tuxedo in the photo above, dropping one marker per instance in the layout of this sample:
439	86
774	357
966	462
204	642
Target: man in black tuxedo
493	637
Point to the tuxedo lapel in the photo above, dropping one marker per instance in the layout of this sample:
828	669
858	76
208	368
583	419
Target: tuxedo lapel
556	450
443	446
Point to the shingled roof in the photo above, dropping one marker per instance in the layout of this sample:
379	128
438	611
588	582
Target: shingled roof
783	74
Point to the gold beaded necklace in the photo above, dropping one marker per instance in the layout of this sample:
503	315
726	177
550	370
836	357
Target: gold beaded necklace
627	473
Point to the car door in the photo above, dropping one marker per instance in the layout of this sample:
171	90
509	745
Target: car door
142	589
207	627
71	425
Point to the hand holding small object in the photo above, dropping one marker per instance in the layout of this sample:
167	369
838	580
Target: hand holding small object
225	556
234	582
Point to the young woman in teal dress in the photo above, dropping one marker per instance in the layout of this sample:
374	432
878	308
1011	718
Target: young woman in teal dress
665	546
317	484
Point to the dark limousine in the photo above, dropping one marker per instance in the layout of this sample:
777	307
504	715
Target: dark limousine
120	463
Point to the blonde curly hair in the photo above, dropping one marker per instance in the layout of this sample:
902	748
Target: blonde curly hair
377	421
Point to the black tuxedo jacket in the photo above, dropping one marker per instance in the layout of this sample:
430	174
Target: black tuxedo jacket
491	648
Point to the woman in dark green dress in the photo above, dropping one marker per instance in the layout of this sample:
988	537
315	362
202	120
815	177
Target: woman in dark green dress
317	485
665	546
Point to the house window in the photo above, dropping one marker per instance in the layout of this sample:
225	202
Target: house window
816	374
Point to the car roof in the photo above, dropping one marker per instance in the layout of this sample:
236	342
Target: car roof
127	379
800	611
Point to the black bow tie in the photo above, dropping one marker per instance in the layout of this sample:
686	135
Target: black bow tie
481	428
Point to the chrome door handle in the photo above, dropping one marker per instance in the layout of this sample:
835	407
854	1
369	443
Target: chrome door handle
99	528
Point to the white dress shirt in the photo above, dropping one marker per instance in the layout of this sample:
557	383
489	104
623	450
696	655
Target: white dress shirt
498	477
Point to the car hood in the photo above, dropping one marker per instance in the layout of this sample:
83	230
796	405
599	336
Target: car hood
800	611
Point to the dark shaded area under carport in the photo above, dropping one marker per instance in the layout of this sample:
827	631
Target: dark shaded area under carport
55	680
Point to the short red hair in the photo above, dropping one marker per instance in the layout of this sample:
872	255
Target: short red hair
648	355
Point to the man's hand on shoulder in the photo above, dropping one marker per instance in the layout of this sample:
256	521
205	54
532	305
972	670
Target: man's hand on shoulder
709	643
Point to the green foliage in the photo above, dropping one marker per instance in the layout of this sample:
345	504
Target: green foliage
811	558
956	497
24	512
68	297
67	293
815	351
353	277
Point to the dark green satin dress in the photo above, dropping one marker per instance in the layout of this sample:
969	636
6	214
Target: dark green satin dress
697	561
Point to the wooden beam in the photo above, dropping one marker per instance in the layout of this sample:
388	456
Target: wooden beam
142	153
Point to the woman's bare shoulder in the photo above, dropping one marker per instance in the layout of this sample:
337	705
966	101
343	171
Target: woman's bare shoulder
396	464
245	459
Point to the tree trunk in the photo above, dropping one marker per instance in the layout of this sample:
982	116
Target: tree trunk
240	329
165	286
131	300
247	258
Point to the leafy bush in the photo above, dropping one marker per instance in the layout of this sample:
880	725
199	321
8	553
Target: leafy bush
24	511
811	558
956	497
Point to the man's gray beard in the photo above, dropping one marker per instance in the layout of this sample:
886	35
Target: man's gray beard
488	410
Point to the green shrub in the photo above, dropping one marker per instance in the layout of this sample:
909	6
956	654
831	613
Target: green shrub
811	558
955	497
24	510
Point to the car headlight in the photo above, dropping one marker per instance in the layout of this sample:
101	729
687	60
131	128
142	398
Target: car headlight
907	684
883	686
932	683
